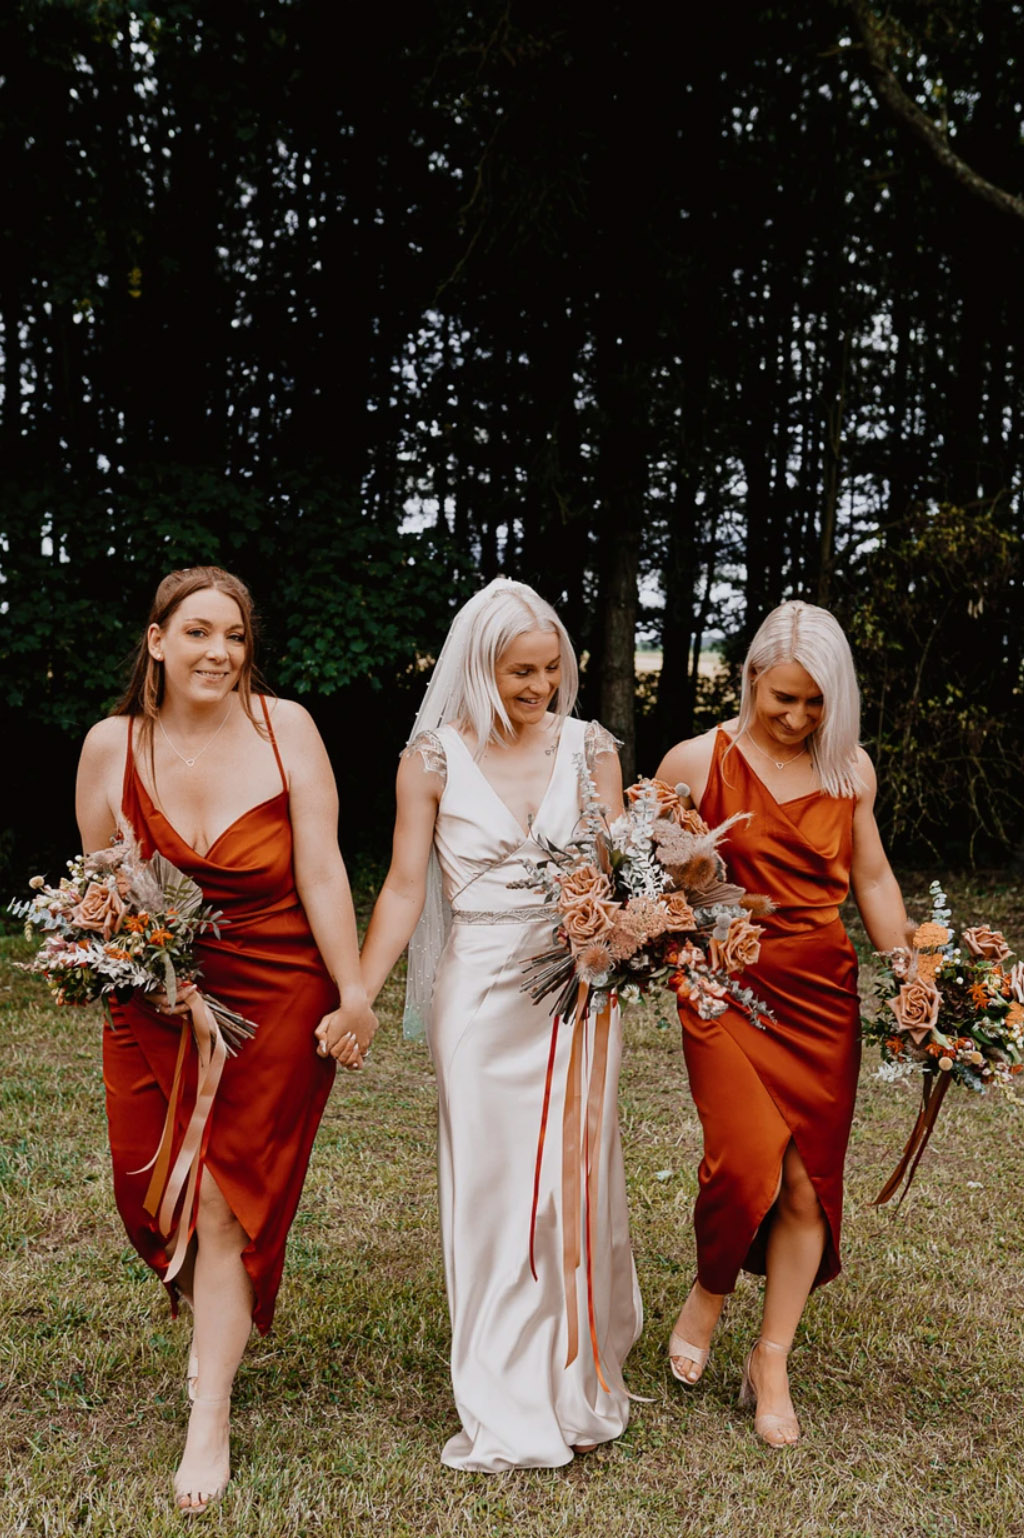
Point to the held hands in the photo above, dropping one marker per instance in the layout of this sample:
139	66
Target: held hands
346	1033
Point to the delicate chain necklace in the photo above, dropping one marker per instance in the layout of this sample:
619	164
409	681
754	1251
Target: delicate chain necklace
782	763
190	762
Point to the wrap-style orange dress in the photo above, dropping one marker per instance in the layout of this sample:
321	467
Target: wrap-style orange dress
756	1090
268	1104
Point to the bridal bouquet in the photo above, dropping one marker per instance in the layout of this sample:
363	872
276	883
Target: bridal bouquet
644	900
953	1013
119	922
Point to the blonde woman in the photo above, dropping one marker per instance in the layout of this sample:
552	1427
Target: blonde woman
489	776
776	1104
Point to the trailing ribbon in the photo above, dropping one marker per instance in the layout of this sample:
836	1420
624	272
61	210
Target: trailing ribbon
933	1090
582	1118
166	1183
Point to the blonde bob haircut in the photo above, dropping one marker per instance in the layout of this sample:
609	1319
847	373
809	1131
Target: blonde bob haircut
802	633
481	632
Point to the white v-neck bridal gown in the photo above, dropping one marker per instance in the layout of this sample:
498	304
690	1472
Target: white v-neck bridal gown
519	1403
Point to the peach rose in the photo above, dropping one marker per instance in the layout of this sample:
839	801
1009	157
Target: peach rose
101	910
916	1008
584	883
987	944
587	920
740	948
678	913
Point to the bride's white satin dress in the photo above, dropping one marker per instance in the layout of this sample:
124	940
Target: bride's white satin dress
519	1403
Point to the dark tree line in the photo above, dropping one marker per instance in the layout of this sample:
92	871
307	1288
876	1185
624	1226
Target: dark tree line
672	332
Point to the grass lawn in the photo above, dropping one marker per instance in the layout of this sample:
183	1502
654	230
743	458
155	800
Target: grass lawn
907	1373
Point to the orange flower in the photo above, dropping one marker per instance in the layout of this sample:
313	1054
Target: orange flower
669	804
980	995
137	922
930	934
160	936
928	964
1015	1014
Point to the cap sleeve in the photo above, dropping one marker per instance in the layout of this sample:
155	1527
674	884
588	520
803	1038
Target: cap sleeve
597	740
431	750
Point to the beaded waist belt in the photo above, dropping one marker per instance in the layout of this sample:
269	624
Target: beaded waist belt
504	915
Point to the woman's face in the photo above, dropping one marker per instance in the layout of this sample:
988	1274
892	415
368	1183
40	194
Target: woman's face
788	704
203	646
528	674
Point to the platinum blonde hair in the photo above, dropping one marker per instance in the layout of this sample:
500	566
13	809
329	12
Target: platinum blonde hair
802	633
507	610
463	689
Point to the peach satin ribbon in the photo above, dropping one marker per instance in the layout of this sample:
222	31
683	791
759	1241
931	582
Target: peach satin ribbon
166	1183
582	1118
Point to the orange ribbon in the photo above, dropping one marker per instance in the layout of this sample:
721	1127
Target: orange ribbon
166	1183
933	1090
582	1118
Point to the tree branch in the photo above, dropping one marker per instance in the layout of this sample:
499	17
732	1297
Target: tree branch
895	100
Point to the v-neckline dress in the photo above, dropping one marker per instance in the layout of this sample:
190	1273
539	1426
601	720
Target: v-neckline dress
271	1096
519	1403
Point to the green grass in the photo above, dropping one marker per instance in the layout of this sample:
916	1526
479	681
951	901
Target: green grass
907	1372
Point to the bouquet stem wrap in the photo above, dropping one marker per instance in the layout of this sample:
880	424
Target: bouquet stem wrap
166	1182
581	1144
933	1091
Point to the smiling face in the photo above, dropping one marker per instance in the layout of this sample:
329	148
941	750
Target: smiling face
528	673
788	705
203	646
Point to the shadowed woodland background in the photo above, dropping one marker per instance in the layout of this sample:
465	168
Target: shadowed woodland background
671	311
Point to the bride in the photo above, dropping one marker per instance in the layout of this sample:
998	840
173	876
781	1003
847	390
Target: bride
489	774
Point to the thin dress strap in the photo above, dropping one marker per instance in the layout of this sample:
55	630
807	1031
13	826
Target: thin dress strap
129	764
273	740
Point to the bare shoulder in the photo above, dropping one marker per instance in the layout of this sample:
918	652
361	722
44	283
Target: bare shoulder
106	742
689	762
866	776
291	721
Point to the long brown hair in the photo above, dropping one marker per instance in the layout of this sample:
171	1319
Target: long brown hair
145	692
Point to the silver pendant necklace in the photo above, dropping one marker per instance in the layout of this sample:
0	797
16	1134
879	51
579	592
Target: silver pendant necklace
191	762
782	763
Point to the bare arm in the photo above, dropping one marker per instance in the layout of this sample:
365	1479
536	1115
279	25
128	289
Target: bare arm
397	910
874	886
97	793
607	777
689	762
322	882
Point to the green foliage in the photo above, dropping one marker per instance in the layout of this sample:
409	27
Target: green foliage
936	630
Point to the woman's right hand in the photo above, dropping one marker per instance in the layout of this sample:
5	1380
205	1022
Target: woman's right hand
159	1000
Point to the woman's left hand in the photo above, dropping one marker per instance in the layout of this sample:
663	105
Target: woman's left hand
346	1033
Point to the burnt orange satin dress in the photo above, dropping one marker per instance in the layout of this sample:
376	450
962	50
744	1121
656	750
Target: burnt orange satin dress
755	1090
270	1099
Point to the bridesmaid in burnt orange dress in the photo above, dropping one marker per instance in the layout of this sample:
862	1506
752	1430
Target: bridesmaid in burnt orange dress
776	1105
235	790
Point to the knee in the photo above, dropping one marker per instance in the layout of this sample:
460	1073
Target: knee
216	1224
798	1200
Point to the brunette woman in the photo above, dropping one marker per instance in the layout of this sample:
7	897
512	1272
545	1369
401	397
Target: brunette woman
236	790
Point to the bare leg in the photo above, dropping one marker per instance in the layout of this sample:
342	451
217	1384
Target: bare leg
796	1242
222	1294
694	1327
